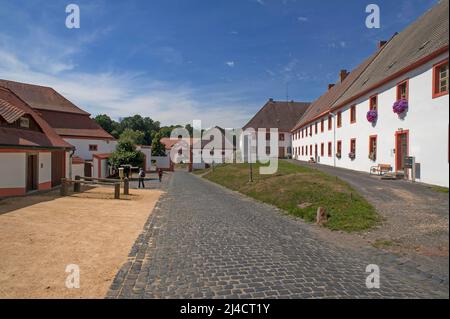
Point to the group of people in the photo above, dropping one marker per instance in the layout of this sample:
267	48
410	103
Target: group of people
142	176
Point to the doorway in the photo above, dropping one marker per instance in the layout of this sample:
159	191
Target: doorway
58	167
32	172
401	150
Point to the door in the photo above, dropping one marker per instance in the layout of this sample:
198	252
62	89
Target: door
87	170
58	167
281	152
32	172
402	150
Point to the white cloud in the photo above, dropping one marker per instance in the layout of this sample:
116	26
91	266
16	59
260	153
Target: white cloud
303	19
230	64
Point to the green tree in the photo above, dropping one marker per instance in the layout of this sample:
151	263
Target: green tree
139	123
126	154
158	148
108	124
137	137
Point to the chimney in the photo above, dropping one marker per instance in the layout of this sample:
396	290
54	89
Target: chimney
330	86
381	44
342	75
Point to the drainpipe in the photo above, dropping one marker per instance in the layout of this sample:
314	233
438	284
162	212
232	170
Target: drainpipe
333	115
70	161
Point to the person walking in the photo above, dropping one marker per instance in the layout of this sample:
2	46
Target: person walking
141	178
160	174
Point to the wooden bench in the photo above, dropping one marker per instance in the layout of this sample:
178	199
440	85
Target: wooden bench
380	169
77	183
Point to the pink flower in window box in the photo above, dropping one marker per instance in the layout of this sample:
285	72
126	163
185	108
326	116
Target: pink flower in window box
400	106
372	116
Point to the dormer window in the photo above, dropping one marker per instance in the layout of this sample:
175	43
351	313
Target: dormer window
24	122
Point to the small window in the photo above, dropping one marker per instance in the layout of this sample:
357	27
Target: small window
306	150
267	149
281	137
353	146
402	91
373	147
330	149
374	103
322	125
440	79
310	150
93	148
303	150
322	149
330	123
353	114
24	122
339	149
316	128
267	136
310	130
339	119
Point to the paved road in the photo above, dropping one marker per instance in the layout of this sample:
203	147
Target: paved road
203	241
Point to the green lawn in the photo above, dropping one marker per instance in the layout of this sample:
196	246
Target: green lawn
300	191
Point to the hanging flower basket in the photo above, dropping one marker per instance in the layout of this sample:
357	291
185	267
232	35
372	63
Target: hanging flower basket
372	116
400	106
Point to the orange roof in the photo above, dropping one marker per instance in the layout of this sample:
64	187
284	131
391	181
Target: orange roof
102	156
77	160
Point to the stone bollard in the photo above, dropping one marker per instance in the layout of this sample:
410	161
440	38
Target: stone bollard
126	186
116	190
321	217
63	189
77	186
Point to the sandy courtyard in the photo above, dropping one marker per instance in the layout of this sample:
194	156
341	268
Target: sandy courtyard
40	235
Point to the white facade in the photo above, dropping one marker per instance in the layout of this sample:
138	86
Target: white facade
82	150
45	167
426	123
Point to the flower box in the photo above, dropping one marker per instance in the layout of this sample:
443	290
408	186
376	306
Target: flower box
400	106
352	155
372	116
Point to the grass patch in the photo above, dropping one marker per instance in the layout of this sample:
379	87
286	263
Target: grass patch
300	191
440	189
380	244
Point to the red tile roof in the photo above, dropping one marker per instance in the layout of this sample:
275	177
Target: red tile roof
102	156
77	160
42	97
281	115
9	136
10	112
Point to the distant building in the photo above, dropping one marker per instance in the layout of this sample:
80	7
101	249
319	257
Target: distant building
32	155
282	116
353	125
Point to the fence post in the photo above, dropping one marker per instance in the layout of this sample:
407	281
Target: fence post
126	186
63	189
77	186
117	191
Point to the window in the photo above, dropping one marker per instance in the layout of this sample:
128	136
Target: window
322	149
353	114
310	150
402	91
330	123
339	119
440	79
306	147
316	128
303	150
267	136
267	149
310	130
374	103
281	137
93	148
373	147
330	149
339	149
353	146
24	122
322	125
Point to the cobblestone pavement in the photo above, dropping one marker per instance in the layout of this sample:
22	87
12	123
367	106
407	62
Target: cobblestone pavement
203	241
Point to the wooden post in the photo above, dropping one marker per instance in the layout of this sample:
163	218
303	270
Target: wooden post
77	186
63	189
126	186
117	191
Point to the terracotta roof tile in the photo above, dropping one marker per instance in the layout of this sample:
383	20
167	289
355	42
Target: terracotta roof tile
10	112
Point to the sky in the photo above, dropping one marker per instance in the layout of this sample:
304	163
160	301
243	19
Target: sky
177	61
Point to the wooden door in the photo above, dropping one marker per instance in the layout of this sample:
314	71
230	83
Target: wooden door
87	170
281	152
58	167
32	173
402	150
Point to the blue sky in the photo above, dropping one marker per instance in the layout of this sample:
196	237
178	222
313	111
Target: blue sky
180	60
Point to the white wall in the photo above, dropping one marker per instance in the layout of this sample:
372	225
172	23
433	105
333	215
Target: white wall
82	147
77	170
426	120
45	167
148	156
162	161
12	170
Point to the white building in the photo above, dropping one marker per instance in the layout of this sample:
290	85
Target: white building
411	66
70	122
